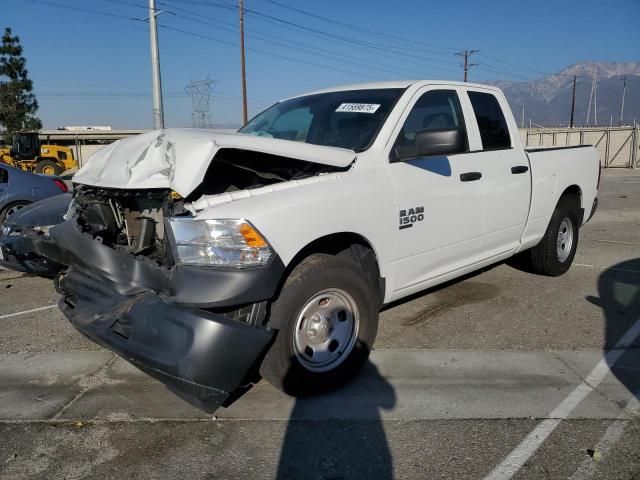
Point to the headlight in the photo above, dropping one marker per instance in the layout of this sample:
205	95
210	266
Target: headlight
227	243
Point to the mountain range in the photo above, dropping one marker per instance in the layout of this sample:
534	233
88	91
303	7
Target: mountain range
547	100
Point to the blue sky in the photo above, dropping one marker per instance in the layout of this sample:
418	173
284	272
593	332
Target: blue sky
92	69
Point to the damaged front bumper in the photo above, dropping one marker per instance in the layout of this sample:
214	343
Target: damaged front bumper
203	357
198	330
17	253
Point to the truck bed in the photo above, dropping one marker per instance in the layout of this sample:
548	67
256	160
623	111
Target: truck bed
553	171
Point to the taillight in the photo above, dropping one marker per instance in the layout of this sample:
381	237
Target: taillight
61	185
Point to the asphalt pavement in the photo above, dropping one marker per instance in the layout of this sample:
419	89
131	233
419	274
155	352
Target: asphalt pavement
499	375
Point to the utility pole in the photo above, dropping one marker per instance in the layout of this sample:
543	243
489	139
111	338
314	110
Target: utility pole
466	54
522	119
624	91
242	63
158	111
573	102
595	100
593	86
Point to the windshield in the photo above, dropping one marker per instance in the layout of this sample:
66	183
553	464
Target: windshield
348	119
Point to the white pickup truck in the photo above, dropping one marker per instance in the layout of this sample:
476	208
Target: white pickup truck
209	260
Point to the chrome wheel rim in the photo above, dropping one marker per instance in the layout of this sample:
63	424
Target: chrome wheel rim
326	330
13	210
565	239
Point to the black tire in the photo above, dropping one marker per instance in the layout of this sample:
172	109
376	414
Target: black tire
54	167
282	366
544	258
12	206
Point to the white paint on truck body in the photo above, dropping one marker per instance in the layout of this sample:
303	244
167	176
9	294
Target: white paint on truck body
464	225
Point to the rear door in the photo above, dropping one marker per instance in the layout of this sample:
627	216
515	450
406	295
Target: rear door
439	206
506	179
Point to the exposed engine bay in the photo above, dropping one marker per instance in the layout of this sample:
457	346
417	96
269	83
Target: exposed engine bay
127	220
132	220
234	169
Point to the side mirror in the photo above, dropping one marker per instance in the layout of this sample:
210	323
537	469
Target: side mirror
432	142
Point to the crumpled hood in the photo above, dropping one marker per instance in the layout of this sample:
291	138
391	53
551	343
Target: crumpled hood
178	158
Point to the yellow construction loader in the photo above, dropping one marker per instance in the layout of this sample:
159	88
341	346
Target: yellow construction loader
28	154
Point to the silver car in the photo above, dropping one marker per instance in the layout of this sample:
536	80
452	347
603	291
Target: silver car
19	188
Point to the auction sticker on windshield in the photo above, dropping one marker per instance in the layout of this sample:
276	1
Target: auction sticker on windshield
358	107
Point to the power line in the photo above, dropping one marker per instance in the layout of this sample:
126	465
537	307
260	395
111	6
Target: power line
388	48
286	43
491	69
166	94
298	46
514	65
264	52
349	41
86	10
486	65
357	44
358	28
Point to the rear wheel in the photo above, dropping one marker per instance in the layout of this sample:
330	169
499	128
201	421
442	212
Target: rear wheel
11	209
49	167
327	317
554	254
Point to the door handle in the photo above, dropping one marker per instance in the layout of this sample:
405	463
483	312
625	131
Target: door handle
470	176
519	169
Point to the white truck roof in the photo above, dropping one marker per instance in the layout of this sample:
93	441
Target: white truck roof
394	84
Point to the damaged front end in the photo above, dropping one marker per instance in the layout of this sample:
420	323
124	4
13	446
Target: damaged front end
19	231
180	297
198	328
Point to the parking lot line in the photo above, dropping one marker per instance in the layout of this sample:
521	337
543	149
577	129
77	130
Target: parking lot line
525	450
608	440
24	312
606	268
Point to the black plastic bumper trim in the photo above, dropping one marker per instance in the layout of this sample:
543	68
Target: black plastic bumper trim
19	255
201	356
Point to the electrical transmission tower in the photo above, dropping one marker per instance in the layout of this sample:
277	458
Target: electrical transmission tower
200	91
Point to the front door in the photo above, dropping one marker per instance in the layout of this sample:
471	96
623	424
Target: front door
438	197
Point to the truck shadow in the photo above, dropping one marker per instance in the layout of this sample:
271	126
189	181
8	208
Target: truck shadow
619	298
340	435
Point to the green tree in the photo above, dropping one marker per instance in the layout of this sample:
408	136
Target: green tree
18	104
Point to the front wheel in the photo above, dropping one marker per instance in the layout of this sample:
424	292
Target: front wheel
554	254
327	317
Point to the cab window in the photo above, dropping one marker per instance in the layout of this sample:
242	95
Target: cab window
4	176
491	122
437	115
